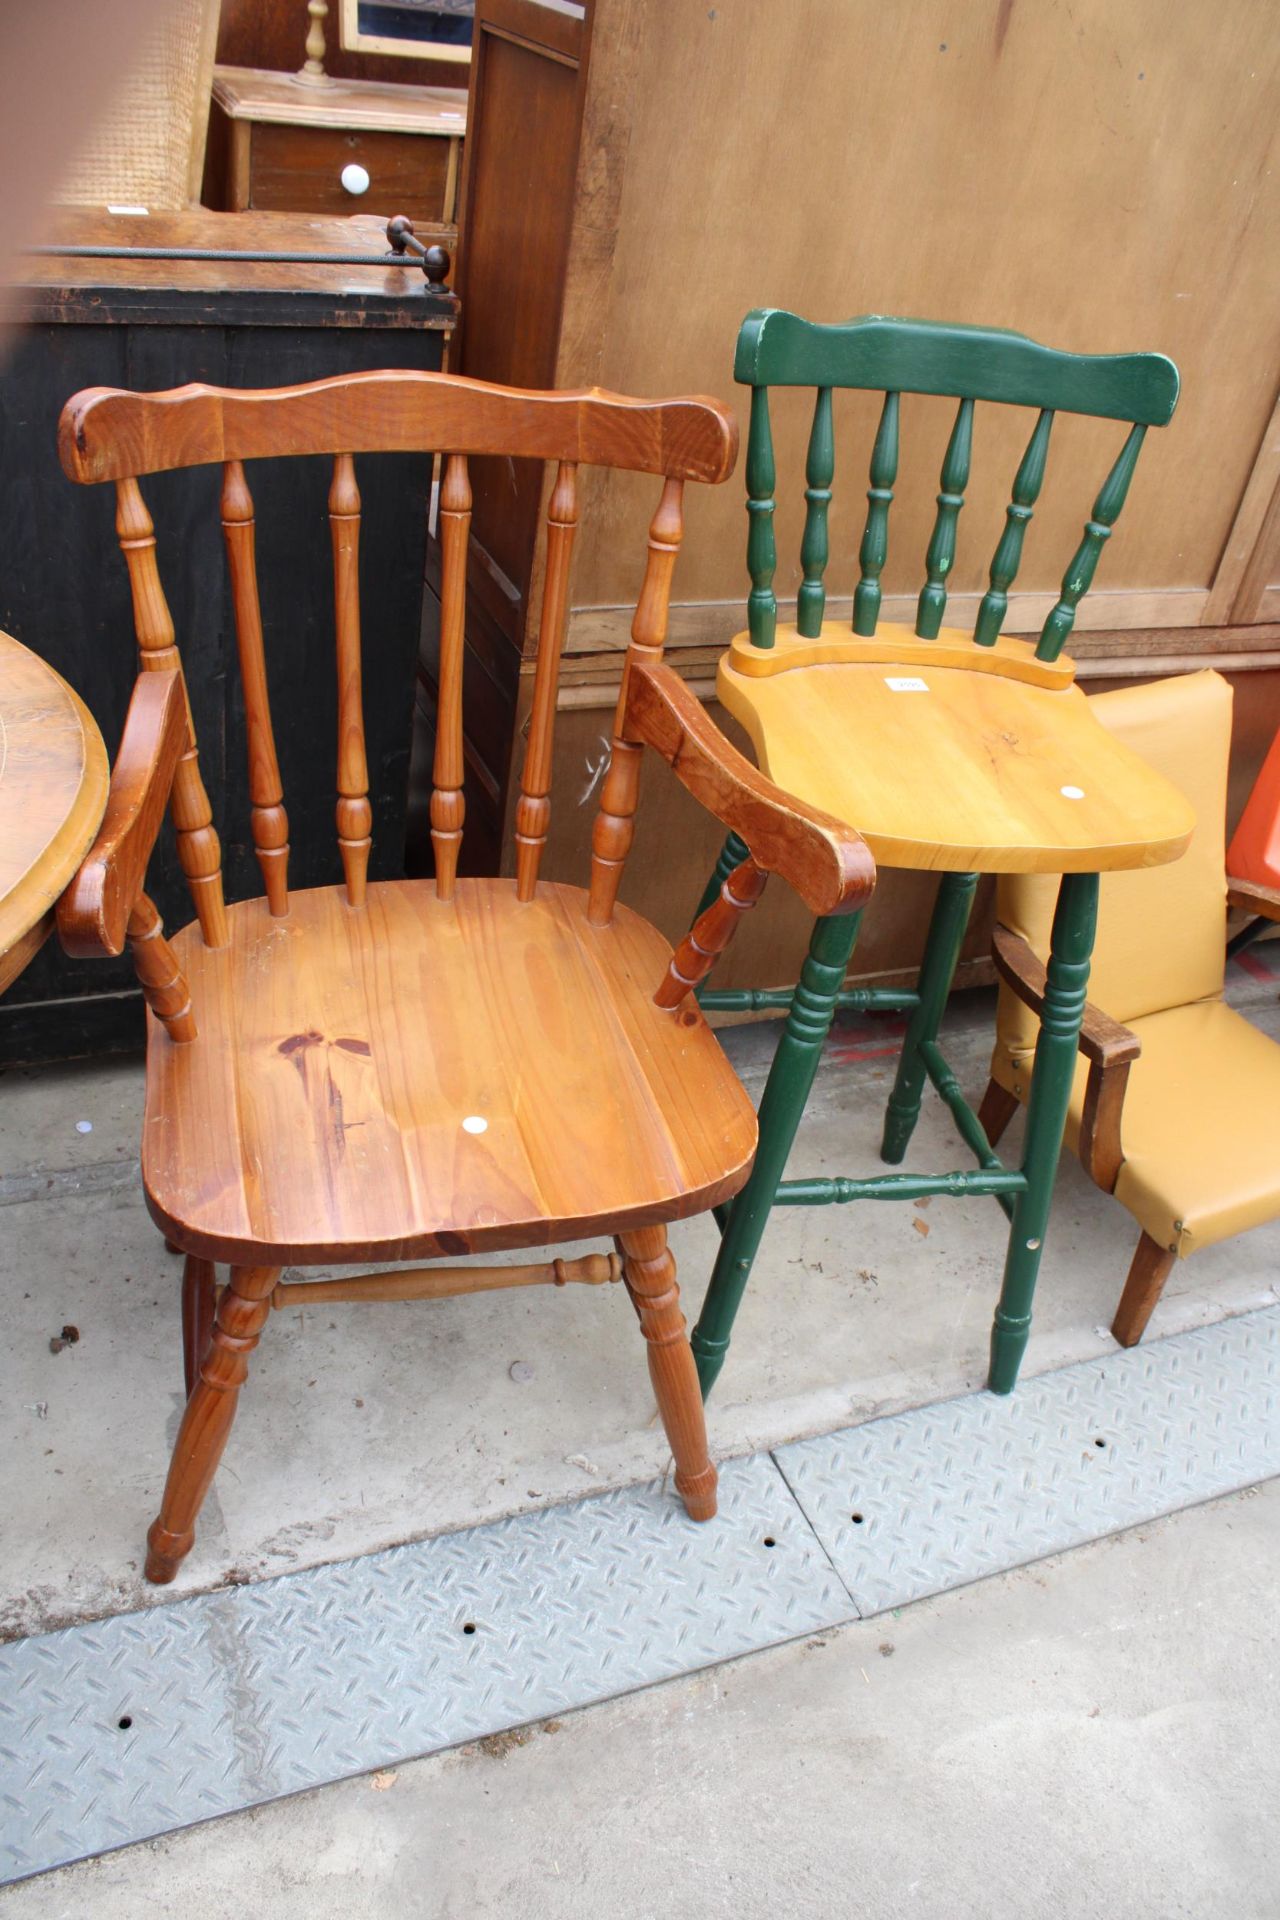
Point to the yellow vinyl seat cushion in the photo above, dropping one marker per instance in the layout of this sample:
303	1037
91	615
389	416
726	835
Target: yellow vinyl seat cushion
1200	1128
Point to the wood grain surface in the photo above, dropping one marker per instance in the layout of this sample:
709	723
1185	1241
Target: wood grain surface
960	771
320	1115
1152	186
53	790
49	282
825	861
93	913
251	93
107	433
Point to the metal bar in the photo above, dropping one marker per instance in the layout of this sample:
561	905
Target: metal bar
264	258
837	1191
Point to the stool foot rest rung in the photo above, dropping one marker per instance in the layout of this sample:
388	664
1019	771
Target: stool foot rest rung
836	1190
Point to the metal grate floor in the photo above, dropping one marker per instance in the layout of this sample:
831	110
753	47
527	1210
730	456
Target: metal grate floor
132	1726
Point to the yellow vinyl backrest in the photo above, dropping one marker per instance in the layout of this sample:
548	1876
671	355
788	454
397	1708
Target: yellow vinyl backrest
1161	930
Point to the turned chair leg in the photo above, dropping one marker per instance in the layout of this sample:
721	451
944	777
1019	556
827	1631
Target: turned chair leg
240	1316
795	1062
947	927
199	1298
1151	1267
1053	1070
650	1275
997	1110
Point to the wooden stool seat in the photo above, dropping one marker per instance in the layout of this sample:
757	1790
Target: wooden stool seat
996	765
423	1077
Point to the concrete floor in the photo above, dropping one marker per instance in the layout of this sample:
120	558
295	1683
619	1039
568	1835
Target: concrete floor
1096	1737
362	1426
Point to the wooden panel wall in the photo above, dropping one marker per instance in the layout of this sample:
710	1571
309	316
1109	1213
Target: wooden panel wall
1099	177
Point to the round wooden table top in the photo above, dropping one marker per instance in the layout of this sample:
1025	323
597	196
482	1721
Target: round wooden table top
53	793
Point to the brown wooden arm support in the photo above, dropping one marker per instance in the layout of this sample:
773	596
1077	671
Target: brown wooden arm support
1252	897
105	905
827	863
1109	1048
93	913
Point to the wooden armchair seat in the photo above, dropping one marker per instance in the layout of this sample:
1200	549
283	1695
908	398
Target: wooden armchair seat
426	1077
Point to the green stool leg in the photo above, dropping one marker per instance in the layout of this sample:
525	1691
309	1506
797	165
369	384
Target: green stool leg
942	950
1052	1074
790	1078
732	854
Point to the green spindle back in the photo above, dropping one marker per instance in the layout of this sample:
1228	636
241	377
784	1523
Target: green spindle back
762	550
819	472
1005	562
942	544
968	364
875	539
1078	577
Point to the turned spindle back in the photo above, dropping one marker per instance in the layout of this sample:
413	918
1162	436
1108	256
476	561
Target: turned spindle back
109	434
967	364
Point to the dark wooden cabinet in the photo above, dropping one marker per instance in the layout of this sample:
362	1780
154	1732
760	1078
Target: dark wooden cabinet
63	587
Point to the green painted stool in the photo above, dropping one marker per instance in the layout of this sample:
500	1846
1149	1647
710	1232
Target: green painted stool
956	753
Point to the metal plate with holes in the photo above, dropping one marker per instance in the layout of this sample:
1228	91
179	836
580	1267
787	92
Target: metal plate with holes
941	1495
133	1726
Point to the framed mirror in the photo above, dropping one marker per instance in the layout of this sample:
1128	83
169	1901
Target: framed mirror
413	29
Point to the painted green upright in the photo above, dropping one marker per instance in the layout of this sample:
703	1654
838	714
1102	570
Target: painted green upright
968	365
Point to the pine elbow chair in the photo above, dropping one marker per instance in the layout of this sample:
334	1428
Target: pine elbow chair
1173	1102
417	1070
952	753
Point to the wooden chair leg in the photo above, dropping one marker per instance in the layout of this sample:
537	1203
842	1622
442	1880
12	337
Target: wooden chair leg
1147	1275
199	1297
947	926
240	1316
997	1110
650	1275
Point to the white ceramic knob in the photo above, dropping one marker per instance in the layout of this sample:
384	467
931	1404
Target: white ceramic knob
355	179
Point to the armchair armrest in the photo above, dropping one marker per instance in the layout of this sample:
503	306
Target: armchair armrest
1254	898
1103	1041
1109	1048
827	863
93	914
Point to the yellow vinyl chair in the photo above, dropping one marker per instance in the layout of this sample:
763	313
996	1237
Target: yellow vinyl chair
1174	1111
